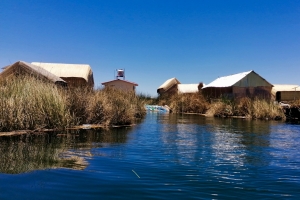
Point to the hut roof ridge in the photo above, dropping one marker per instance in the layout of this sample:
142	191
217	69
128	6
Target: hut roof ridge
227	81
33	68
133	83
168	83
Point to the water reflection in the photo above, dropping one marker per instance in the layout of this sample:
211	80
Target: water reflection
70	149
236	142
285	142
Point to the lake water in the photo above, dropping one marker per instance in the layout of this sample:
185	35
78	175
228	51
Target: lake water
163	157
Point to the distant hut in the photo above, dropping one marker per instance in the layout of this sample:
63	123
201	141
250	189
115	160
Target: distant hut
173	86
20	68
121	85
187	88
242	84
286	92
74	74
169	87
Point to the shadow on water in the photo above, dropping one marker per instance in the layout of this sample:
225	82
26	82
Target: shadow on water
70	149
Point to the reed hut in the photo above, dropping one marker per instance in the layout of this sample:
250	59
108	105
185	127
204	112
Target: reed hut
173	86
121	85
169	87
242	84
286	92
20	68
76	75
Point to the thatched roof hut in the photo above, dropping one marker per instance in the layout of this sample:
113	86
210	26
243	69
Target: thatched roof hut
241	84
74	74
286	92
24	68
168	87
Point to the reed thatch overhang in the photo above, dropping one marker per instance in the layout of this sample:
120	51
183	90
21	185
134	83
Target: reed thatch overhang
21	67
72	73
167	85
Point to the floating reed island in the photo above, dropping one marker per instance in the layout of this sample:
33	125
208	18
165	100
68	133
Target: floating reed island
243	107
28	103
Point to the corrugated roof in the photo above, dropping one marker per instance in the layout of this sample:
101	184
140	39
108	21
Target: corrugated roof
169	83
133	83
30	68
67	70
187	88
227	81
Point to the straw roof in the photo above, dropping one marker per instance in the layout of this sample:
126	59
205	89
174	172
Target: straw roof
187	88
278	87
168	84
285	88
30	69
68	70
233	80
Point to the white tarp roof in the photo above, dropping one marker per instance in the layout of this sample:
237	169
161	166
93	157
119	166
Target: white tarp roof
187	88
227	81
67	70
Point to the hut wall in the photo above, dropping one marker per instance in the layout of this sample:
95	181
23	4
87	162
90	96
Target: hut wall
217	92
261	91
171	91
75	82
233	92
287	95
121	85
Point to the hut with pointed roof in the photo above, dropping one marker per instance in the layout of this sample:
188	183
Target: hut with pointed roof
121	85
169	87
20	68
242	84
173	86
75	75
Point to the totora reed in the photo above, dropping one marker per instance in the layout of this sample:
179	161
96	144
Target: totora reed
28	103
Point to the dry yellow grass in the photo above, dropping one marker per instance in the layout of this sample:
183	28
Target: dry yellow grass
251	108
29	103
185	103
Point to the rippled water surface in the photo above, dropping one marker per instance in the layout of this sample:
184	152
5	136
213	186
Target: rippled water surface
163	157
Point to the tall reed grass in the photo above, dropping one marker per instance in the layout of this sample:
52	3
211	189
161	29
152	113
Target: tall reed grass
114	107
29	103
185	103
256	108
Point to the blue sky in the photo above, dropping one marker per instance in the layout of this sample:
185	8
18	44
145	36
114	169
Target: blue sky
154	40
